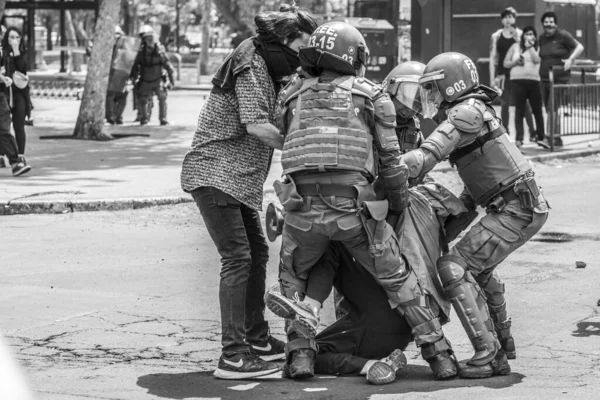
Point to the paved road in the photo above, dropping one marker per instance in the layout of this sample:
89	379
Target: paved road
123	305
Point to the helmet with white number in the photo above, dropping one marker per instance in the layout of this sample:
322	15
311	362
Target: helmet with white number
402	84
447	77
336	46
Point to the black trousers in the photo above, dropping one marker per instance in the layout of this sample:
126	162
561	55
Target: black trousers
522	91
8	144
19	112
370	329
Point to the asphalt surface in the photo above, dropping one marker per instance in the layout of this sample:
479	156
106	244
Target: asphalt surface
123	305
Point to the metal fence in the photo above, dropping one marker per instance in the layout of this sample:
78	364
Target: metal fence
574	108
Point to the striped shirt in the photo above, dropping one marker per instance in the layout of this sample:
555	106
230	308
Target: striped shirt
223	154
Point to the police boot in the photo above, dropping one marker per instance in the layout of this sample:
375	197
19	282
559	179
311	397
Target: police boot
494	292
506	340
300	359
498	366
470	306
441	360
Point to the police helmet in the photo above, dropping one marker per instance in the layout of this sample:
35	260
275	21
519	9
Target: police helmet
145	30
402	84
447	77
335	46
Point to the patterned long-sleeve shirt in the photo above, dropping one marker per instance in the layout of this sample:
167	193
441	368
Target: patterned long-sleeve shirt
223	154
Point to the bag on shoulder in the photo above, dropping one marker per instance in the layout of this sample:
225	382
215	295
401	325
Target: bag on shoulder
20	80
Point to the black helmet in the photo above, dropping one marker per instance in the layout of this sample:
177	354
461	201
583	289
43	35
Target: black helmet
336	46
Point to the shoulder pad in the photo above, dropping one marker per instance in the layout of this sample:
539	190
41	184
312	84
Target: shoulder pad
468	116
365	87
291	90
384	108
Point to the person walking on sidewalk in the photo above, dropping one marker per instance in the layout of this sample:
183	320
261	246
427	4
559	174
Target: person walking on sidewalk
523	60
8	144
500	43
153	73
225	170
15	65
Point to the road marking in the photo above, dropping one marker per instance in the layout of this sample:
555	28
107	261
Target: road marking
244	387
315	389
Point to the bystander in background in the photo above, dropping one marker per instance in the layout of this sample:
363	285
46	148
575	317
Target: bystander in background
557	48
523	60
501	41
15	65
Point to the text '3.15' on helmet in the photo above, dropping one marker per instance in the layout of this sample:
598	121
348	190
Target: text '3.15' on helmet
335	46
402	84
447	77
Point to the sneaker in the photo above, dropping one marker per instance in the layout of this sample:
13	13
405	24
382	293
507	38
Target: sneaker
545	143
164	122
519	144
119	121
143	122
110	121
3	163
295	310
272	349
20	168
384	372
243	366
558	142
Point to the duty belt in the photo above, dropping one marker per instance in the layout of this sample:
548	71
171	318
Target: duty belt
477	144
316	189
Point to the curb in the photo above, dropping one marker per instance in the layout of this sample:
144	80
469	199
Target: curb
23	206
15	207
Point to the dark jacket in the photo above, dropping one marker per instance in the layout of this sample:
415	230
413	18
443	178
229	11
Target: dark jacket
12	64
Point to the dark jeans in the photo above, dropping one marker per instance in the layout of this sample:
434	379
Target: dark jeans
19	112
507	101
369	331
8	144
523	90
237	232
115	105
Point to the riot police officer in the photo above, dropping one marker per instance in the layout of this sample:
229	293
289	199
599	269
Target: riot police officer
402	84
153	73
339	135
497	177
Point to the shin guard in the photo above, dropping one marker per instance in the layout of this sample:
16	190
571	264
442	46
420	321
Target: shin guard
470	306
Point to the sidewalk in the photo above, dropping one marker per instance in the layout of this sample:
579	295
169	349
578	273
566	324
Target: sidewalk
136	171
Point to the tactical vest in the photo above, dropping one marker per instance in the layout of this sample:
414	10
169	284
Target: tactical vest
492	163
327	130
409	133
151	65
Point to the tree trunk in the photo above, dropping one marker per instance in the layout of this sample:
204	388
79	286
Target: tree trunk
230	12
205	37
77	59
2	5
90	122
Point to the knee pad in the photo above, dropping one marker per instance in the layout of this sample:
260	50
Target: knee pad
451	270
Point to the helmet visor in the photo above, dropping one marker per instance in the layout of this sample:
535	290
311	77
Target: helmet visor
431	95
408	92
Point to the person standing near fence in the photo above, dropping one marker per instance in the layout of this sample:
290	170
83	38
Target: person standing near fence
15	64
523	60
500	42
557	48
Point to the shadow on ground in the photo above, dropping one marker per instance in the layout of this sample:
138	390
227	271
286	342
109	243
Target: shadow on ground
415	378
587	329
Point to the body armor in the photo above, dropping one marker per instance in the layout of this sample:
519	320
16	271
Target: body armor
150	65
327	130
486	161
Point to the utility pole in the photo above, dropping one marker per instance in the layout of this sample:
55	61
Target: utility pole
205	48
177	25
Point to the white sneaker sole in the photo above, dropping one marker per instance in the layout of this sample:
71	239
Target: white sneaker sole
272	357
224	374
